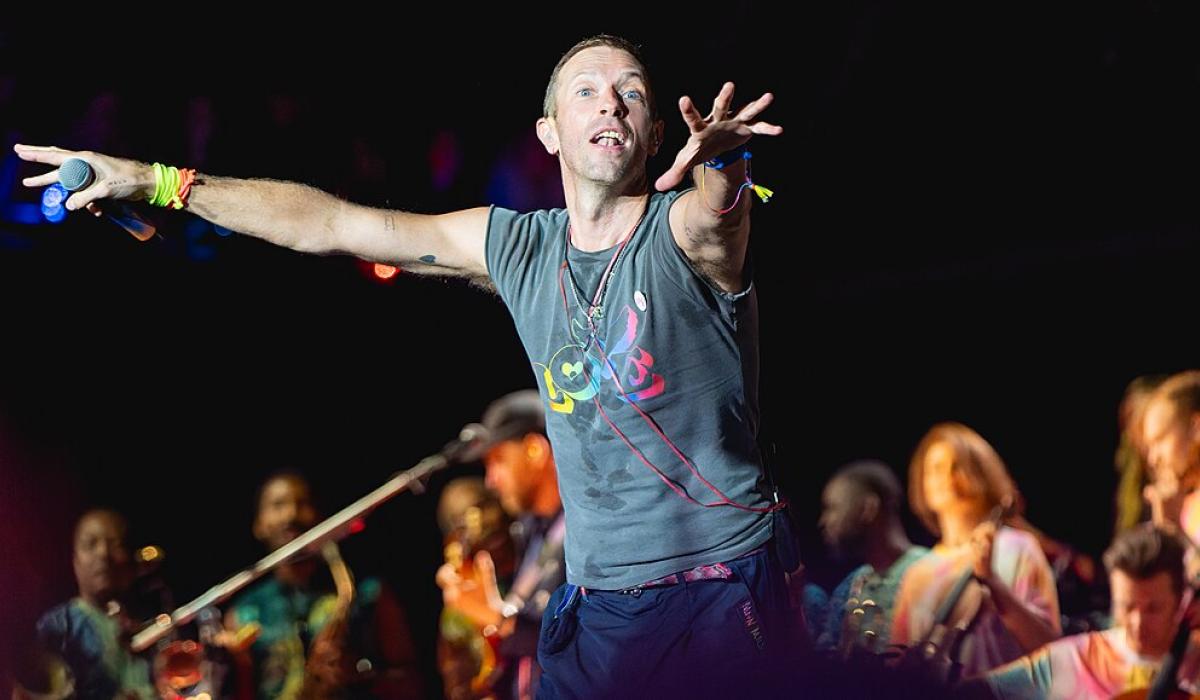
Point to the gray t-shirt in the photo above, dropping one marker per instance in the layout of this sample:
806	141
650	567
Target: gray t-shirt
686	355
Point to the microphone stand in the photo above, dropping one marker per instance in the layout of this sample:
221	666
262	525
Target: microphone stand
332	529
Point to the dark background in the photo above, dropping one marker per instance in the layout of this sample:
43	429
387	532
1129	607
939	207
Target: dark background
984	213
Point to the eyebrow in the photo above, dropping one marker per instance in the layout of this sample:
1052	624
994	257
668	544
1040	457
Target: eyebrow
621	78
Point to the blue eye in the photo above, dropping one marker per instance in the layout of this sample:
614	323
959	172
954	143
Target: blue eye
633	95
584	92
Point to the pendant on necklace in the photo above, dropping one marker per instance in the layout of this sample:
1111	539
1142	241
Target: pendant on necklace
598	312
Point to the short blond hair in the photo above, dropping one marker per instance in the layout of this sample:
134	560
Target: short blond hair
550	103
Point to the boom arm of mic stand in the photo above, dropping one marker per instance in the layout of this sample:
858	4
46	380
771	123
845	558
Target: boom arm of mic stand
332	529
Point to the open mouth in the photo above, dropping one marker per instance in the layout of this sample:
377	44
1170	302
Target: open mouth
609	138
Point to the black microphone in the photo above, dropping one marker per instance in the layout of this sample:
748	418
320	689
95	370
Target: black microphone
76	174
470	444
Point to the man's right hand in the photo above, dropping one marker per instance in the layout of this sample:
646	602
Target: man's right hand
293	215
115	178
476	595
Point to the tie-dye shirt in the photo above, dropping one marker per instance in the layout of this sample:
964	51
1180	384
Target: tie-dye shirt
651	397
1082	666
1017	561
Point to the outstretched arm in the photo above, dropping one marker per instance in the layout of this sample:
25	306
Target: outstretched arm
706	224
292	215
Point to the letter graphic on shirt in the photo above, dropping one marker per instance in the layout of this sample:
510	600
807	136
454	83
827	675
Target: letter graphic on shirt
574	372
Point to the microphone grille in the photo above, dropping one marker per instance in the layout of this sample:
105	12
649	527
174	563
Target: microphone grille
75	174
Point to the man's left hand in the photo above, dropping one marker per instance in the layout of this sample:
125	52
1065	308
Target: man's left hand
720	131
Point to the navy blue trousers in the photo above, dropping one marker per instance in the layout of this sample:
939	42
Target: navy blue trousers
708	638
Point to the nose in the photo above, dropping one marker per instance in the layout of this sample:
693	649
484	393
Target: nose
1134	622
612	104
1154	455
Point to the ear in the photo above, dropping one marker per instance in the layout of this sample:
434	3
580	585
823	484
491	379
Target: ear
547	133
537	449
870	509
656	140
257	529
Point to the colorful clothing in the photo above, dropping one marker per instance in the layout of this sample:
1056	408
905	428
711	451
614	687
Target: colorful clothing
1017	561
864	583
89	641
290	618
1080	667
651	401
1189	516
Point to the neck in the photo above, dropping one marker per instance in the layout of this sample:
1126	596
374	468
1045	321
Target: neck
601	214
297	573
883	551
1150	654
97	600
957	524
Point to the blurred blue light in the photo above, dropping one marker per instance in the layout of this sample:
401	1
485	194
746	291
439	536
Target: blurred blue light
53	196
54	214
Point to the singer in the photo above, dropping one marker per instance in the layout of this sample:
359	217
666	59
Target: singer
639	316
